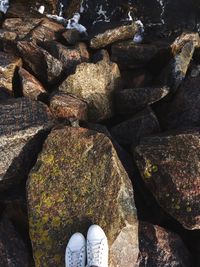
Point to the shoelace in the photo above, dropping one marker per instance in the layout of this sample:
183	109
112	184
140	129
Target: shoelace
75	258
94	254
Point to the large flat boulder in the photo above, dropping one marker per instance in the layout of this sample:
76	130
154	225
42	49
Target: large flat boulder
79	180
169	166
24	125
95	84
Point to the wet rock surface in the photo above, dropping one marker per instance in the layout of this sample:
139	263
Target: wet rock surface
76	205
169	168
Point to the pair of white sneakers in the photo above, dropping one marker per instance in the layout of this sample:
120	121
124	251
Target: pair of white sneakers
95	248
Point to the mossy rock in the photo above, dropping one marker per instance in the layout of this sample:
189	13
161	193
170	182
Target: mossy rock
78	180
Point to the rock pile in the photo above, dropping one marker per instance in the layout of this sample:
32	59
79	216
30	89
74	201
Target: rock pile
97	129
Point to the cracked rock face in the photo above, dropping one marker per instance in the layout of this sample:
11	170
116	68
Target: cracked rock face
23	127
67	194
169	166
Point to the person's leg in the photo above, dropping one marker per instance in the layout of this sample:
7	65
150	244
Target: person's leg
97	247
75	254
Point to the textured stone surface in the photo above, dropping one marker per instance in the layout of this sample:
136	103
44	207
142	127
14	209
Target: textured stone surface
13	251
23	127
70	56
44	66
182	111
68	107
110	36
136	78
94	83
128	54
31	87
73	36
183	49
78	173
46	30
130	132
20	26
160	247
169	166
7	40
8	66
135	99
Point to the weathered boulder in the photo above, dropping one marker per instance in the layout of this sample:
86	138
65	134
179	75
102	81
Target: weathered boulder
129	55
69	56
169	166
46	30
7	40
28	8
44	66
78	173
20	26
67	107
13	251
129	132
73	36
136	99
182	111
183	49
24	125
8	67
30	86
110	36
95	84
136	78
160	247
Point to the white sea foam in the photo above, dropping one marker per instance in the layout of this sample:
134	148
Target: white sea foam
138	37
41	9
4	5
71	23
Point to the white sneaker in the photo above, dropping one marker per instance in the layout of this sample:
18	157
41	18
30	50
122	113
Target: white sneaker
97	247
75	254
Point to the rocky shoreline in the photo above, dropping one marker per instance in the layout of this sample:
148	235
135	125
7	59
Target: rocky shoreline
95	128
